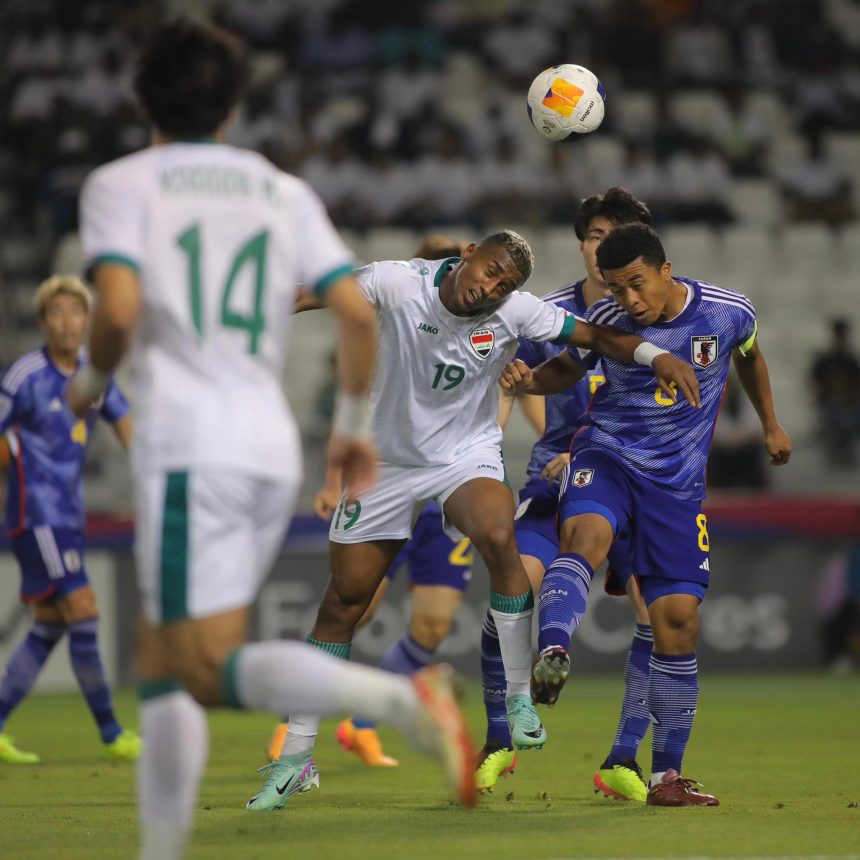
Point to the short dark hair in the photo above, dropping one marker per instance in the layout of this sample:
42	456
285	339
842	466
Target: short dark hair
617	205
190	76
629	242
517	247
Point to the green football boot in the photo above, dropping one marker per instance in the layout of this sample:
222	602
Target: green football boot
622	780
289	775
126	746
524	723
493	765
10	754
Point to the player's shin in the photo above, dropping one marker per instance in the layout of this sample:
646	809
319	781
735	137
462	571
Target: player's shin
176	746
635	719
513	619
494	686
563	598
673	695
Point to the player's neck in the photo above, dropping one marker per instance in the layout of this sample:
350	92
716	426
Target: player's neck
160	138
65	360
593	291
677	301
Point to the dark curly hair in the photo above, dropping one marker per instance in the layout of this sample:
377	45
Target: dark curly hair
629	242
617	205
190	77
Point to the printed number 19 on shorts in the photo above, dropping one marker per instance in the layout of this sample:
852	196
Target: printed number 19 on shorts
349	512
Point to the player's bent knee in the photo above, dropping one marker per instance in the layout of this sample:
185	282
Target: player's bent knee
429	631
589	536
496	541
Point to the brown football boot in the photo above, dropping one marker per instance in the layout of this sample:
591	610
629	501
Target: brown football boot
674	790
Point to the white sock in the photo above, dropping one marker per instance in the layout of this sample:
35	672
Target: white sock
295	678
656	778
175	749
301	734
515	642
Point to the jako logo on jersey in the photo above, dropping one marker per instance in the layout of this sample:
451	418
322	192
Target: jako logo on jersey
488	466
582	477
704	350
482	340
422	326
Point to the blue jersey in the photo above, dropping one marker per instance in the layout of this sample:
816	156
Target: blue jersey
633	421
47	442
565	411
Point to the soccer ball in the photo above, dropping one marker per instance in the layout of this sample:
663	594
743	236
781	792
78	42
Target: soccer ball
566	99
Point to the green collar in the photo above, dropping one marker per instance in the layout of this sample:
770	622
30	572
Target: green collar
444	269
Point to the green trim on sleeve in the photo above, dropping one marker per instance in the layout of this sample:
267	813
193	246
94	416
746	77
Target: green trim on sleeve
566	330
443	270
112	259
747	345
322	285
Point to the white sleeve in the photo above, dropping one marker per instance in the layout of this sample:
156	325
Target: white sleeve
366	277
323	256
112	214
538	320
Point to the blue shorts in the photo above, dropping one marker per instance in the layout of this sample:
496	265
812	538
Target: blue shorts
536	530
51	561
432	556
668	536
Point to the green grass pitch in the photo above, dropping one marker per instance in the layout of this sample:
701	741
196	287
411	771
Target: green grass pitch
781	752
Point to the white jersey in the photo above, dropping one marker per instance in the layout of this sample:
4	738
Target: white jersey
436	395
219	238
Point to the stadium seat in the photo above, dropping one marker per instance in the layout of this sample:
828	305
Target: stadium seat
695	108
755	201
560	263
693	251
603	155
390	243
808	252
635	113
774	110
746	263
68	255
845	149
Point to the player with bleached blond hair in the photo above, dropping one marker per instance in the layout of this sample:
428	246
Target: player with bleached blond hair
47	447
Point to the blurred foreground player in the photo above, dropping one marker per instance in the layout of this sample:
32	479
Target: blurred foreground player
47	445
195	248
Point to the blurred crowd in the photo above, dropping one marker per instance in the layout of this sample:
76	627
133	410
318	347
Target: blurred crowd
414	114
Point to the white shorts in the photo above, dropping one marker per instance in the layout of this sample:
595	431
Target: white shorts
386	512
205	540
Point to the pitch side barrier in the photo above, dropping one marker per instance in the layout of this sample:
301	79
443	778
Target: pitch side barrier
770	557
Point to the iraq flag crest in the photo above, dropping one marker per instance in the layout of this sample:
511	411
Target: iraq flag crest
482	340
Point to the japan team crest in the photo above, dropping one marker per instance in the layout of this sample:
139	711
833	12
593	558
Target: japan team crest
704	350
582	477
482	340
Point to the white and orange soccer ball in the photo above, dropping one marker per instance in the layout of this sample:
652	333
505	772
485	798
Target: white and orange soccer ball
565	100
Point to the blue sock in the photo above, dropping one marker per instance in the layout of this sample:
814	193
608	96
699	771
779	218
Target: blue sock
404	657
635	719
673	692
494	685
87	664
562	601
25	664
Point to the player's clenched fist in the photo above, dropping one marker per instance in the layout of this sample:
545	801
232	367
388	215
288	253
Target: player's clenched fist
357	459
517	377
669	370
778	444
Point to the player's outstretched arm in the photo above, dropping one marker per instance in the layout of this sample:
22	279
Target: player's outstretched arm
752	371
124	431
670	372
351	447
117	307
555	375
